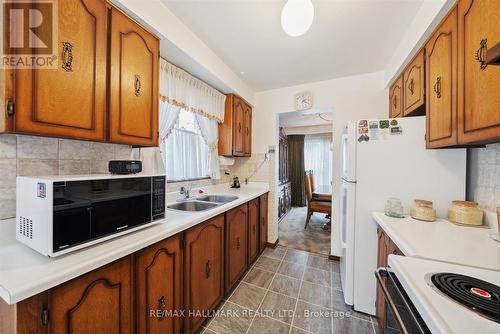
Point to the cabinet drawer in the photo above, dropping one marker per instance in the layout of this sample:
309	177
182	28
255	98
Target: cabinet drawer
413	81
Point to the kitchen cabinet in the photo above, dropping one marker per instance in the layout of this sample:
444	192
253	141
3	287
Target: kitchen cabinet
105	87
236	244
441	96
235	134
98	302
69	101
158	274
283	157
204	270
396	98
385	247
284	200
253	229
478	83
133	83
263	208
413	83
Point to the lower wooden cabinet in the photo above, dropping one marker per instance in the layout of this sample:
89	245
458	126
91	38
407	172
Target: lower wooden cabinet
263	208
253	229
236	244
158	275
98	302
204	271
385	247
168	287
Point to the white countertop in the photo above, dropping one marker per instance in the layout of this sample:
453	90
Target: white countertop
440	313
442	241
24	272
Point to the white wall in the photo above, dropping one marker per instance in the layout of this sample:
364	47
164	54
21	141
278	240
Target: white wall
351	98
155	14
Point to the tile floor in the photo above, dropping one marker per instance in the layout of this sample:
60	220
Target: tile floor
289	291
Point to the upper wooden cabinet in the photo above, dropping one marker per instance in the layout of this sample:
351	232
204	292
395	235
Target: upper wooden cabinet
77	100
413	92
396	98
158	275
98	302
478	83
133	83
236	244
441	96
204	270
69	101
235	134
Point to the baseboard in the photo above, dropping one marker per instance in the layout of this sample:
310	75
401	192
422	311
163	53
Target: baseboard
333	258
273	245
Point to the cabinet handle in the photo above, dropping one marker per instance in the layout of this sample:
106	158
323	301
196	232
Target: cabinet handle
67	57
137	85
248	131
395	102
161	306
411	86
481	53
239	127
238	244
208	269
437	87
253	229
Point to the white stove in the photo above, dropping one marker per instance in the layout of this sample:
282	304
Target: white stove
449	298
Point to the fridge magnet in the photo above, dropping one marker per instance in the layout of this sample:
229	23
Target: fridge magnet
384	124
363	123
396	130
363	138
394	122
373	125
363	130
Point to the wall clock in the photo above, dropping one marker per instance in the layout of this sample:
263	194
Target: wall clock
303	101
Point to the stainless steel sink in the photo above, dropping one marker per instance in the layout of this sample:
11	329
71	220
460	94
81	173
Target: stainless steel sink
218	198
192	206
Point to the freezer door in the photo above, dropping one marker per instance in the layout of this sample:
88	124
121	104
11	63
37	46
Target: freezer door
347	219
348	152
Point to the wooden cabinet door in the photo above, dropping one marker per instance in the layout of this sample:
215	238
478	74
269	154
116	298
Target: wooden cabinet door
413	81
69	101
478	85
248	131
396	99
236	244
238	127
263	208
441	96
98	302
204	270
133	83
158	275
253	229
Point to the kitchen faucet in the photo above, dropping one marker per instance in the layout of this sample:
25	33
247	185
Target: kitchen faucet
186	192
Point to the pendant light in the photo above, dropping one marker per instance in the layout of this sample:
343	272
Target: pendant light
297	17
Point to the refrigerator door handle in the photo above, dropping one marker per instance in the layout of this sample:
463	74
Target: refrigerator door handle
343	218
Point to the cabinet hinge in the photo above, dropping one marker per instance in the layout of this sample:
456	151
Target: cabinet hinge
44	316
10	108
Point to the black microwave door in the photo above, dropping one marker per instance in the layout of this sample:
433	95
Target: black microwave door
70	227
112	216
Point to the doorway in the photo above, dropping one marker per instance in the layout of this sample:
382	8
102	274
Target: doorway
305	147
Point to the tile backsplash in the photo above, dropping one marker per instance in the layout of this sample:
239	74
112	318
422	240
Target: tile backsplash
484	176
30	155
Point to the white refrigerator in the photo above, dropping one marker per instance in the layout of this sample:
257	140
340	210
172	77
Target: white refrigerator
382	159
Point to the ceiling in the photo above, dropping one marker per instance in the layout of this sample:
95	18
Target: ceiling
347	37
306	118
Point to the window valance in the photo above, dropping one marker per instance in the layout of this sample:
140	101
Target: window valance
183	90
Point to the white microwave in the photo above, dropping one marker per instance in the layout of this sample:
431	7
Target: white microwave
57	214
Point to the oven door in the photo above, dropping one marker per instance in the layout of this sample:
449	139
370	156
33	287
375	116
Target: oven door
401	316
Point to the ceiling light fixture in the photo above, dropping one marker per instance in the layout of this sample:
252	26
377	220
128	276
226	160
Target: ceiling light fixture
297	17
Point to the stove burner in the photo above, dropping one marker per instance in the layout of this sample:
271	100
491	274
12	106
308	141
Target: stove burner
473	293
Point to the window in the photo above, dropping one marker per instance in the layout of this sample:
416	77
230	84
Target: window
318	157
186	153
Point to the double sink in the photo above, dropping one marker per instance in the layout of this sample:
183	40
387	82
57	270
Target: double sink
202	203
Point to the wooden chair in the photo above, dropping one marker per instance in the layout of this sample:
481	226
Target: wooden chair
318	197
314	205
